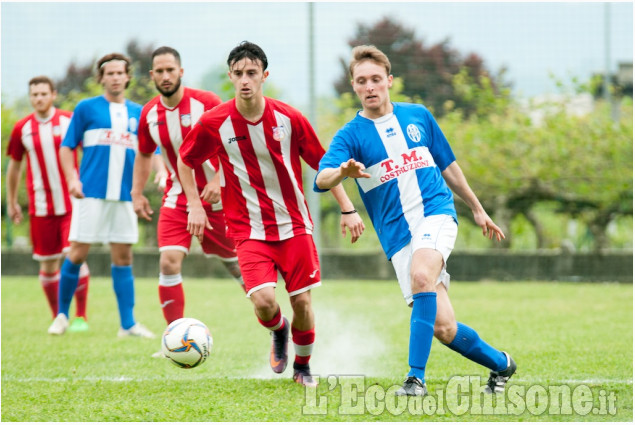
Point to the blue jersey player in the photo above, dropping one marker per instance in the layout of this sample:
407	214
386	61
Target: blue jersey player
106	128
406	172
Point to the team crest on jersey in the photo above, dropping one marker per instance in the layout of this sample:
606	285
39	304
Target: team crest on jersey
186	120
132	124
279	133
413	133
57	131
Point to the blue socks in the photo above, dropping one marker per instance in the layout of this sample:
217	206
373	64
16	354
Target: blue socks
123	284
424	313
69	277
470	345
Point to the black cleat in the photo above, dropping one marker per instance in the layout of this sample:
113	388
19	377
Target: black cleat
302	375
497	380
279	348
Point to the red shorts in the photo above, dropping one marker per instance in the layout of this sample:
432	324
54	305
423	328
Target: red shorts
49	236
172	233
296	259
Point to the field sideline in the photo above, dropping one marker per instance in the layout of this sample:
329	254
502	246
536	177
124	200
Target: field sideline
573	338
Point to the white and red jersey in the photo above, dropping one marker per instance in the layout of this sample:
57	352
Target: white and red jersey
45	182
167	127
261	170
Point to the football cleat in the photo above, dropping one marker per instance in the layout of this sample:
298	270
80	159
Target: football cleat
137	330
159	355
78	325
279	348
303	377
412	386
497	380
59	325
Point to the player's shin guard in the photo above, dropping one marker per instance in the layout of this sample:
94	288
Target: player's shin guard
424	313
123	284
81	293
69	278
303	345
50	286
171	296
470	345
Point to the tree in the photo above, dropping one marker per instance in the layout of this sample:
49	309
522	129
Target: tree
427	71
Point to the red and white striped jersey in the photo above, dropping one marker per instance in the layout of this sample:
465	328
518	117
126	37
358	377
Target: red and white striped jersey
260	161
45	182
167	127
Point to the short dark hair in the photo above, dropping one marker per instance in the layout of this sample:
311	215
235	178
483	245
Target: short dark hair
247	50
42	79
165	50
112	57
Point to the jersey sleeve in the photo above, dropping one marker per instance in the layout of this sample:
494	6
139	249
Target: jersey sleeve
75	132
439	147
146	143
16	149
311	149
199	145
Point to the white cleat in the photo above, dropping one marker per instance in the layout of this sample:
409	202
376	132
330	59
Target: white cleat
137	330
159	355
59	325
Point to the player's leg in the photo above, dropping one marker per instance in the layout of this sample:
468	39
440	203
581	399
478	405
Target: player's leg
47	251
260	276
171	294
120	222
466	341
174	244
426	264
216	243
49	276
69	279
299	265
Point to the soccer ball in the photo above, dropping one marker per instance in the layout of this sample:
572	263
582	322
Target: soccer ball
186	342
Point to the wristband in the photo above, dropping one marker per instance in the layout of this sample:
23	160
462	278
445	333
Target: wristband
349	212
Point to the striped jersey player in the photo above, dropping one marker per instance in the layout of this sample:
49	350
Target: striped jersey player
259	142
164	122
38	137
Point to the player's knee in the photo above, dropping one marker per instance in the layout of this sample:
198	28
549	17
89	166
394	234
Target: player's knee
301	303
445	331
169	265
422	282
264	303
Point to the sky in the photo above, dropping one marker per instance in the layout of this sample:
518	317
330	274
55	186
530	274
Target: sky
531	40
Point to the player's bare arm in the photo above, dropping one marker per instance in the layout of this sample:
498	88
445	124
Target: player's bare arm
197	220
140	174
161	173
330	177
13	179
67	161
456	180
350	218
211	191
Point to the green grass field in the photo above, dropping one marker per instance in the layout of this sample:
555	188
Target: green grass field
573	344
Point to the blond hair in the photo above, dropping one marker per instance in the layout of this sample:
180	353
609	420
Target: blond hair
368	53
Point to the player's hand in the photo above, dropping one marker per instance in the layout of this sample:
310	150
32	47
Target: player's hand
354	223
75	188
211	192
197	222
353	169
141	207
15	213
161	179
490	229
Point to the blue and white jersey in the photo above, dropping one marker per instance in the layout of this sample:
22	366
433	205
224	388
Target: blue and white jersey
107	132
405	153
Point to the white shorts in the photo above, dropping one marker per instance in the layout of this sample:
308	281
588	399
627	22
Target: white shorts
436	232
101	221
